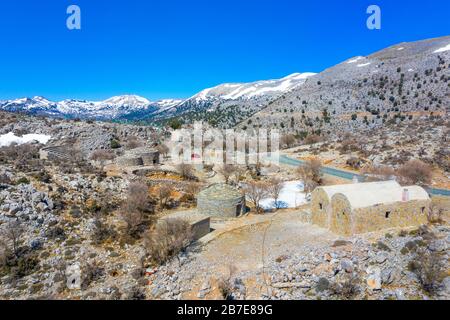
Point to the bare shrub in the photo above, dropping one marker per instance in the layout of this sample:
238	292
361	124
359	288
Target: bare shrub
225	283
102	232
4	179
137	209
164	194
227	171
133	142
255	192
355	163
376	173
288	140
15	260
186	171
102	155
416	172
313	139
274	188
163	149
167	239
348	287
192	189
310	173
13	233
91	272
429	268
436	211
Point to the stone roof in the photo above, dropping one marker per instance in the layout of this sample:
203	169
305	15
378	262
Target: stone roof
221	191
365	195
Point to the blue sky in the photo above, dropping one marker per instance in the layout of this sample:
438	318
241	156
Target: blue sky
175	48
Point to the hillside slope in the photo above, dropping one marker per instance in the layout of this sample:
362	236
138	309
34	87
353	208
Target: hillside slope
394	84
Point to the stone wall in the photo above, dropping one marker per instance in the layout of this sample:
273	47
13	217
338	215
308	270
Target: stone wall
229	208
54	153
150	159
345	221
130	161
201	228
321	215
400	214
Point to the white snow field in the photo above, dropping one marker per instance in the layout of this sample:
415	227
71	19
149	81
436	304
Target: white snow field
446	48
364	64
292	196
7	139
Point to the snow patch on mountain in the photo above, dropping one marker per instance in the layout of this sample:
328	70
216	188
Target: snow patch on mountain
364	64
443	49
234	91
355	60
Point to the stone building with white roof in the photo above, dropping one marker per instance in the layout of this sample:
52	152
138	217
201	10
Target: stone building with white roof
366	207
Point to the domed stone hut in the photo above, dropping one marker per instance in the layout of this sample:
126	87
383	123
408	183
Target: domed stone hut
221	200
130	161
149	157
139	157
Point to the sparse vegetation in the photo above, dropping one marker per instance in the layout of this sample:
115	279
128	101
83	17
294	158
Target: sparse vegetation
167	239
310	174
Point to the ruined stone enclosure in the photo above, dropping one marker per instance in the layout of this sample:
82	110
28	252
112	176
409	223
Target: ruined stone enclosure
366	207
221	200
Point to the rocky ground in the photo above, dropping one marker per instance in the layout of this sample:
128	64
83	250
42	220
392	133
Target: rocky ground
306	262
60	221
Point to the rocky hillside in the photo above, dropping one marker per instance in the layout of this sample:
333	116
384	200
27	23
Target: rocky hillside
406	81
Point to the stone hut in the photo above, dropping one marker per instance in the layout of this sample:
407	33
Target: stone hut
366	207
221	200
139	157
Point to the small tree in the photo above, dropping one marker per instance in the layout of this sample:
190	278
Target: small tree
429	268
225	283
255	192
13	233
163	149
136	209
167	239
185	170
310	173
192	189
102	155
133	142
227	171
288	140
164	193
416	172
274	188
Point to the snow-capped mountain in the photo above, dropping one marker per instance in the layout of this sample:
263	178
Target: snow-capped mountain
230	103
235	91
133	107
113	108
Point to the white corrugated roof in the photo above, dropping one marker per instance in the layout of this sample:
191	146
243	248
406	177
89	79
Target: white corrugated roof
368	196
355	187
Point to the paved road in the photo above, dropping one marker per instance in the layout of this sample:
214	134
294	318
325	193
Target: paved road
349	176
